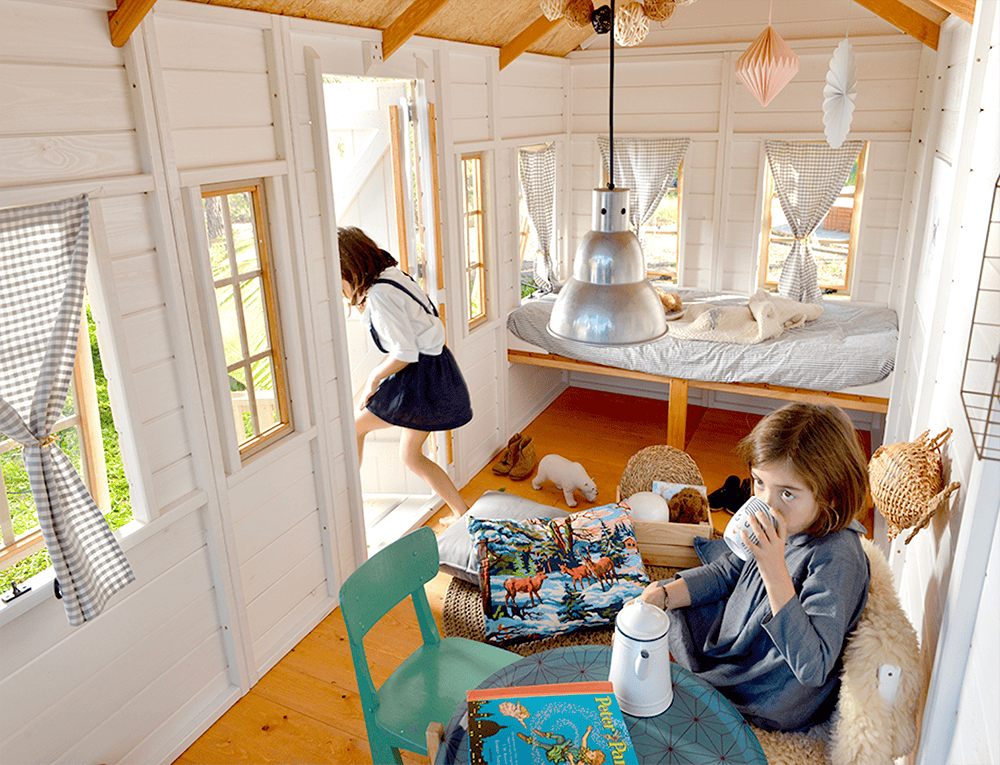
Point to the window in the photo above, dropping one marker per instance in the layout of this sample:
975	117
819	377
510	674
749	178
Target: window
834	242
236	225
474	220
660	234
527	246
86	433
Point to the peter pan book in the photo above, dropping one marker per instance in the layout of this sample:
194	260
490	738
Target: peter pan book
572	723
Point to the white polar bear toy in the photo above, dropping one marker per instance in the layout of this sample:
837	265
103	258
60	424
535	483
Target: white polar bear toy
567	476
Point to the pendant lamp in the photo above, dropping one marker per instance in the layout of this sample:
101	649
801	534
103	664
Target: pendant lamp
608	301
767	66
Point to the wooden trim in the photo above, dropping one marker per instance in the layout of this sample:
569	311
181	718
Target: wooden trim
21	549
125	18
395	141
534	32
91	440
906	19
407	23
678	389
435	194
964	9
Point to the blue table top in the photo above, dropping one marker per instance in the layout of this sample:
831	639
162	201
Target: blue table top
700	727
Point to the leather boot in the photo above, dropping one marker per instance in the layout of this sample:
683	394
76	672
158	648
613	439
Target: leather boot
509	456
526	460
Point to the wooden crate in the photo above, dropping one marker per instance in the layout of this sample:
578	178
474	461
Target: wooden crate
669	544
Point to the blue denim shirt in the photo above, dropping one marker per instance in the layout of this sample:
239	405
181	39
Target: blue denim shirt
780	670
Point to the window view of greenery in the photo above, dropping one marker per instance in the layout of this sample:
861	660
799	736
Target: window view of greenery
472	172
659	237
528	245
241	287
15	477
831	245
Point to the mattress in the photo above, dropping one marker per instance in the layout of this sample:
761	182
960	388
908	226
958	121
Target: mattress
849	345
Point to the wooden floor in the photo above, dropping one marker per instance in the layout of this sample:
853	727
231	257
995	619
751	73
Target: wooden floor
307	710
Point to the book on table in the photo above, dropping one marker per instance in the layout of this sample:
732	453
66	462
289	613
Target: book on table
573	723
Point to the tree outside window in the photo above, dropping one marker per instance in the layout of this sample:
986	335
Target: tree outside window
473	216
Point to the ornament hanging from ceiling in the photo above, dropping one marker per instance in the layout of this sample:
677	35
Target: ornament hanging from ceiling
631	24
577	13
553	9
660	10
839	93
767	65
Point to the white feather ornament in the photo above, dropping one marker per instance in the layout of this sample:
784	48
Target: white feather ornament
839	93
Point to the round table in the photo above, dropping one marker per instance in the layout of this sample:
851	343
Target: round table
700	727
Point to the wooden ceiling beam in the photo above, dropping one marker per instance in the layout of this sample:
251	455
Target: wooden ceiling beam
964	9
534	32
407	23
125	18
906	19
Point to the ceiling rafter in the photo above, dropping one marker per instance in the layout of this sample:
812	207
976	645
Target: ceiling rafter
407	23
125	18
964	9
906	19
525	39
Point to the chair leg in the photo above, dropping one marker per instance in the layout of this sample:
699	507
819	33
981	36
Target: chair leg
383	753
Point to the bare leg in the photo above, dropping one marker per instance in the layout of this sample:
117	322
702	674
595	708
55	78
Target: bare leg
364	423
428	470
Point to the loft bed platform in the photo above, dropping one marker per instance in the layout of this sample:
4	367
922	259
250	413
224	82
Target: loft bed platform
844	358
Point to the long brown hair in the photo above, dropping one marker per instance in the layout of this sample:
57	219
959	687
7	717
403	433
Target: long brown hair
361	261
822	446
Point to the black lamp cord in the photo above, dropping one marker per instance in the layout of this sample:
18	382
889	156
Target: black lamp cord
611	106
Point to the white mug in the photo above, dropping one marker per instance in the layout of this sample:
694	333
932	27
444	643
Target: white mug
740	522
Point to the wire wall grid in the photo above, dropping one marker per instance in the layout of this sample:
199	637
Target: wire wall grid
981	378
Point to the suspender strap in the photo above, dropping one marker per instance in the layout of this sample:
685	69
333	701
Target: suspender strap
398	286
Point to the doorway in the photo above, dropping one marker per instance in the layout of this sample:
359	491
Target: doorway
377	132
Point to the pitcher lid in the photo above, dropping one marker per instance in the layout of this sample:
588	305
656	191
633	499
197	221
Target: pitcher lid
642	621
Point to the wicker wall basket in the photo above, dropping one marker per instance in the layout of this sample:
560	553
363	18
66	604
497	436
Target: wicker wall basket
906	482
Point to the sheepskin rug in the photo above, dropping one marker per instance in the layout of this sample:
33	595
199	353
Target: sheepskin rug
865	729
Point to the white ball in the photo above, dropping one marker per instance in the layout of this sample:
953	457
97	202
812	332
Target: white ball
649	506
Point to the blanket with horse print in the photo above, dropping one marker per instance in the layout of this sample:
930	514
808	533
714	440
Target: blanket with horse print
548	576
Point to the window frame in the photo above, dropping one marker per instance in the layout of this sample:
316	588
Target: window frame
654	275
277	350
482	316
86	419
853	248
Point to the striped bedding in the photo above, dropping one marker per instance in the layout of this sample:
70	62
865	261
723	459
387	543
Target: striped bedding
848	345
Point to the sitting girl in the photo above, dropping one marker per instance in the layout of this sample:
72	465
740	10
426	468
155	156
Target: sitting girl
768	632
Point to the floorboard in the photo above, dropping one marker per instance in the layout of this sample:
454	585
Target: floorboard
307	709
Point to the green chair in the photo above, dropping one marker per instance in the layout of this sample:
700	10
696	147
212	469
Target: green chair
432	681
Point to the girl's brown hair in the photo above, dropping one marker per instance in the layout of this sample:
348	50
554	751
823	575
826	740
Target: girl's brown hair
361	261
822	446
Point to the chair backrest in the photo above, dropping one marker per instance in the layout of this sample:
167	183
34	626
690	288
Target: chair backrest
383	581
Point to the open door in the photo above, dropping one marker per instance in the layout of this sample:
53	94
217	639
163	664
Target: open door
377	145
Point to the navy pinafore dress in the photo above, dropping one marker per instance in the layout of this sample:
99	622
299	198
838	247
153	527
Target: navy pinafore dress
428	394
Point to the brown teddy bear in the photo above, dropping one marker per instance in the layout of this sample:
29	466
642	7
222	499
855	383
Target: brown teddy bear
688	506
671	300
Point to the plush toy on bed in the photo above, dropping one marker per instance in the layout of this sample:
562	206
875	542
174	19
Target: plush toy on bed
567	476
671	300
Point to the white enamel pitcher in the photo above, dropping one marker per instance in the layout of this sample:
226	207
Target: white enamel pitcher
640	660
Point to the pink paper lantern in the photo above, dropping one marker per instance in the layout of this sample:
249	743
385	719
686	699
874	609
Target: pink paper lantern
767	66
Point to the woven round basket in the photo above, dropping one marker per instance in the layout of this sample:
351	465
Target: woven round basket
462	616
658	463
553	9
906	482
577	13
631	24
659	10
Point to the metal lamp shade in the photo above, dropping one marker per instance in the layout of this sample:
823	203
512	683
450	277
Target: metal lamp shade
608	300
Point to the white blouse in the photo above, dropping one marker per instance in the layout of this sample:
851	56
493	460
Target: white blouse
404	328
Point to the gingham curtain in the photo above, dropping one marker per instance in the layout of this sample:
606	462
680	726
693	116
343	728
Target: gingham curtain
537	170
43	263
646	167
808	178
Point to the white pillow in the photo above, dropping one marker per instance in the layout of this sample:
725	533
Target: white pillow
458	556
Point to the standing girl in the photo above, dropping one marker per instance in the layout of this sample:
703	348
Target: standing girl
769	632
418	386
